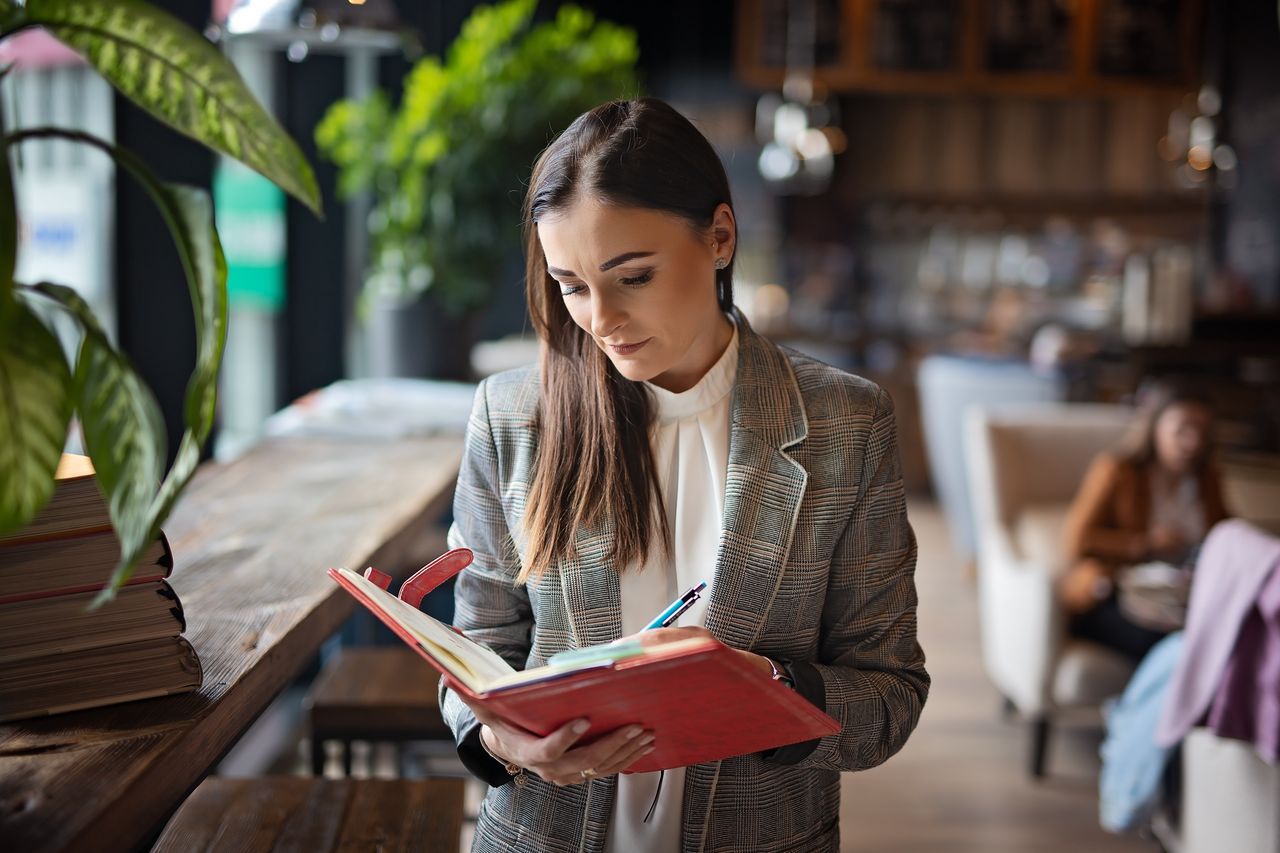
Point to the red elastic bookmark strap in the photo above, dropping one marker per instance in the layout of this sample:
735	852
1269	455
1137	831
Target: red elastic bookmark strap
433	574
381	580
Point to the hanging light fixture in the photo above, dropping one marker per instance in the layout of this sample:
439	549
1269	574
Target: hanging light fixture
1191	142
799	128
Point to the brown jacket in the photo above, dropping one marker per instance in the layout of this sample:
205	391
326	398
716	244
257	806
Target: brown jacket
1108	525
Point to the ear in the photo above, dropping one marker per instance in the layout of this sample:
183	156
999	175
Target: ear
724	231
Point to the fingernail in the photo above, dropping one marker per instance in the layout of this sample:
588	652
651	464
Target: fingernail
581	726
634	731
647	740
647	750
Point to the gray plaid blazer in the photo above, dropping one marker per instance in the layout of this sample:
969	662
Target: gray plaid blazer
815	567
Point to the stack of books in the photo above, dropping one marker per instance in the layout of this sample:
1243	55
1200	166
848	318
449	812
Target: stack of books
55	653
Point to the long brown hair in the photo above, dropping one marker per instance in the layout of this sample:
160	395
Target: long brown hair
1154	398
593	462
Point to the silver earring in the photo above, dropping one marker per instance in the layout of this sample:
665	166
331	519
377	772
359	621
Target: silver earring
721	263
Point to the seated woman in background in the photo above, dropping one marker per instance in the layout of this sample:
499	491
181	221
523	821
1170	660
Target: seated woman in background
1153	498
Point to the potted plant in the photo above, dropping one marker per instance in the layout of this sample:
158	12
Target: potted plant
173	73
446	166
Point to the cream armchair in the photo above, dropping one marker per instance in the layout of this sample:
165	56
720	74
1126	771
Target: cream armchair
1024	464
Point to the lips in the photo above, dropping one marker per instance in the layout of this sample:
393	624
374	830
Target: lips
628	349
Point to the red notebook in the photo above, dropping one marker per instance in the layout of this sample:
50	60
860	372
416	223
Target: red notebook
701	699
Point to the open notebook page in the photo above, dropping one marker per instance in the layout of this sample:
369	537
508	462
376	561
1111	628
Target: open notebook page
480	668
474	665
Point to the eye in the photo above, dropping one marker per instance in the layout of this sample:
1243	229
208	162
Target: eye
571	289
643	278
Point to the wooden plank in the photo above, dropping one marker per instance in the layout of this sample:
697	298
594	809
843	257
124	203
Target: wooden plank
251	541
386	689
303	815
1131	164
958	147
317	825
1072	147
1015	146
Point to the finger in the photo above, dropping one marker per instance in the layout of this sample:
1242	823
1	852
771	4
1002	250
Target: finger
596	754
610	758
658	636
516	744
618	761
548	750
629	755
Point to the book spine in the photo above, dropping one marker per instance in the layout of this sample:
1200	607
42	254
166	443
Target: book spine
191	662
143	575
155	567
175	605
166	560
26	537
98	703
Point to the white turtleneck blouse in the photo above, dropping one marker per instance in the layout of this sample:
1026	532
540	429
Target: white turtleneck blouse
690	442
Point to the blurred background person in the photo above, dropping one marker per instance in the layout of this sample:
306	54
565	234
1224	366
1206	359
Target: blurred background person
1151	499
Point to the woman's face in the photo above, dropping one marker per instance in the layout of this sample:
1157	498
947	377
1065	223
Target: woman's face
642	284
1182	436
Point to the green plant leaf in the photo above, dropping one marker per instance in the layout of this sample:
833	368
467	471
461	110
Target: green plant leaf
115	423
123	428
193	209
175	74
35	408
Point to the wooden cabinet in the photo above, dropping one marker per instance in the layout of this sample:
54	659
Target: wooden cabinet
1029	47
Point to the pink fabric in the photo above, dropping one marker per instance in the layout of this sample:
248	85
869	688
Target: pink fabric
37	49
1233	585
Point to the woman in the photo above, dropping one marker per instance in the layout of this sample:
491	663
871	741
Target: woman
1154	499
661	442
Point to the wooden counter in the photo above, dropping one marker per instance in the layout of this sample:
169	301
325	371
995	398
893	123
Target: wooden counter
251	541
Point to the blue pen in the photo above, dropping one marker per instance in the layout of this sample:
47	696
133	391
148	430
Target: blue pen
677	607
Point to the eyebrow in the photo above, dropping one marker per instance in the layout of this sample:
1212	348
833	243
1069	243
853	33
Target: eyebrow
606	266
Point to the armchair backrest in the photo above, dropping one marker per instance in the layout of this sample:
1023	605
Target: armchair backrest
1020	455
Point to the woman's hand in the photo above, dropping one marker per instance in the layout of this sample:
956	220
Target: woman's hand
657	636
555	758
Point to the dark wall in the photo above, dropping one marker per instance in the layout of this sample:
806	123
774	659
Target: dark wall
313	325
154	308
1248	214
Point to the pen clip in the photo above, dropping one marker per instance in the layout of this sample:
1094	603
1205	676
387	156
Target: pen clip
691	598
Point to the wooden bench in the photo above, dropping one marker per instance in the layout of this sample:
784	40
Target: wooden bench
285	814
376	694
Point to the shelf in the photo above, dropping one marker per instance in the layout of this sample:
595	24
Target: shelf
1169	204
971	40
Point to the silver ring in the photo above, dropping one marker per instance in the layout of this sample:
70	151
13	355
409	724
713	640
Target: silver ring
589	773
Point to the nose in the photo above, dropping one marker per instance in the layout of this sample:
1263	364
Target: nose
606	316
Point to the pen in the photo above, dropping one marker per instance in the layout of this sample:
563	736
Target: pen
677	607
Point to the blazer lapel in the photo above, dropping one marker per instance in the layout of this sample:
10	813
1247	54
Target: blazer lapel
763	490
764	487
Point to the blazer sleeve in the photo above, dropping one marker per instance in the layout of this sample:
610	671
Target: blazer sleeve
1087	531
489	607
870	673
